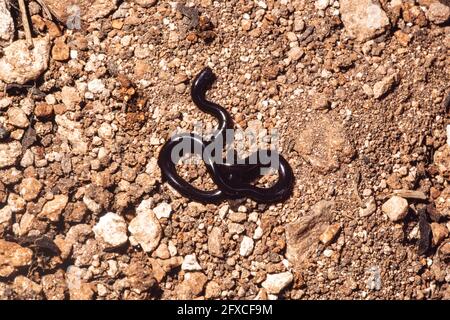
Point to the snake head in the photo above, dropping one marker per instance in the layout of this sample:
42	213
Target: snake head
203	80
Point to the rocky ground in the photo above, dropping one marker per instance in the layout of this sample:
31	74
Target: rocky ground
358	90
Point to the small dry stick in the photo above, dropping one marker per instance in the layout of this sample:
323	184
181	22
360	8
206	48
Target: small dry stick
47	12
25	22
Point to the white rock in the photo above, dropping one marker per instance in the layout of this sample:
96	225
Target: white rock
105	131
328	253
384	85
223	211
70	97
274	283
163	210
146	3
20	65
295	53
17	117
369	206
438	13
172	248
395	208
363	19
16	203
6	22
91	204
321	4
145	228
96	86
9	152
246	246
258	233
5	103
5	215
190	263
112	229
71	131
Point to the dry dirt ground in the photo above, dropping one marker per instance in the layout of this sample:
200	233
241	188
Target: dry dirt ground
362	116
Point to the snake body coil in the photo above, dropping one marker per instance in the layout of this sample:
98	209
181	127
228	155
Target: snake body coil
233	180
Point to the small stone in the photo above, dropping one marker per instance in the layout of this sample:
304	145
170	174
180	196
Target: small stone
246	247
367	90
9	152
302	235
192	285
29	188
6	22
180	78
238	217
443	203
96	86
363	19
445	250
78	288
190	263
70	97
396	208
5	103
299	24
223	211
235	228
71	131
53	209
258	233
382	87
438	13
440	232
212	290
274	283
163	210
180	88
112	229
442	161
369	207
20	65
60	50
374	278
295	53
5	215
215	242
54	285
26	289
12	257
330	234
162	252
246	24
71	13
145	228
328	253
146	3
16	203
117	24
105	131
43	110
321	102
321	4
402	37
17	117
